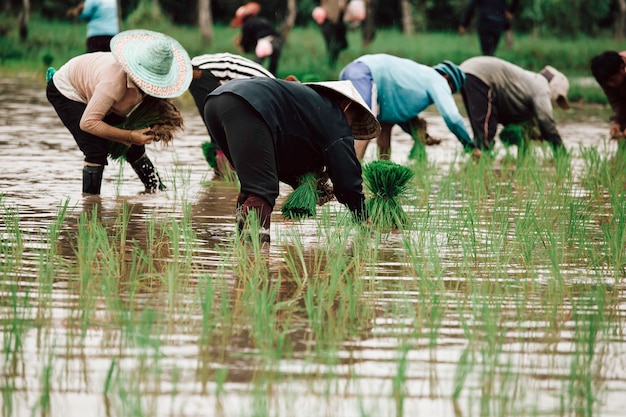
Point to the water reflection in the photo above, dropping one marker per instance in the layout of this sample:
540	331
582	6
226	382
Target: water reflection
132	304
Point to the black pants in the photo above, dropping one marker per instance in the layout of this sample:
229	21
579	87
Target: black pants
335	38
95	149
200	87
489	40
99	44
248	145
478	98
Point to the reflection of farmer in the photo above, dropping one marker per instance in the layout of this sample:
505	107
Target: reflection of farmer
102	22
257	35
398	89
290	129
497	91
212	70
494	17
609	70
92	90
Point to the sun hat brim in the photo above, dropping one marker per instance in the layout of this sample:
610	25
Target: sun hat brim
366	125
125	47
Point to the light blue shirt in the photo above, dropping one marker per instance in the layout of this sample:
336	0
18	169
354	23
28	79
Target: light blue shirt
406	88
101	17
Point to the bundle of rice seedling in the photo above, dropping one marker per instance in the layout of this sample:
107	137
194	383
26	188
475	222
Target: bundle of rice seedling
519	133
512	134
161	115
387	182
209	150
303	199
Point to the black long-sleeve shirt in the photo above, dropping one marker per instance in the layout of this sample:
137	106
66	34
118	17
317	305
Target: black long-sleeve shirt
310	134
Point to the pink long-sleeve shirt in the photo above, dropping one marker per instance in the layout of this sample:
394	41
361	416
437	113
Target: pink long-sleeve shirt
97	80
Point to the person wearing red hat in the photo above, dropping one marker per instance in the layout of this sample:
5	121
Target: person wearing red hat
258	35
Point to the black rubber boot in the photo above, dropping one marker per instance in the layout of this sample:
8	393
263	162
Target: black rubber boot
147	174
92	179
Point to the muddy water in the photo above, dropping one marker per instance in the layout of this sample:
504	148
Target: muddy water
40	169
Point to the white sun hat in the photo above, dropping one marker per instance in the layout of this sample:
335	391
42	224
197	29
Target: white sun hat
559	86
365	126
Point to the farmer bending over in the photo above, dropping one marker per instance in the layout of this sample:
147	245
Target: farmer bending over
257	35
497	91
398	89
274	130
93	92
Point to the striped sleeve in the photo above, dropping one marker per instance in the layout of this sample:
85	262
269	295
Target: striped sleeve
226	66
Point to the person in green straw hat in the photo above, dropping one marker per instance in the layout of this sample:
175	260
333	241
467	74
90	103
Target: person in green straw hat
95	92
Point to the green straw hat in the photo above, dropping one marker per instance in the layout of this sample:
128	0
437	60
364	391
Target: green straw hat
157	63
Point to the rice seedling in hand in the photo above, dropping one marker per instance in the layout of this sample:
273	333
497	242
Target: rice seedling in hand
512	134
303	199
161	115
421	138
387	182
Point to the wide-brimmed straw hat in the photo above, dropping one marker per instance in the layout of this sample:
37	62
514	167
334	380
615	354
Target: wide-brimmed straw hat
248	9
365	126
157	63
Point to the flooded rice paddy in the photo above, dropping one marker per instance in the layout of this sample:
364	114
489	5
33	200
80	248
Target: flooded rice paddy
504	297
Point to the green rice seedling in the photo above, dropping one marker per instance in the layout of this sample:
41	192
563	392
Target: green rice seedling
468	359
12	243
209	150
398	382
513	134
301	202
226	171
178	180
615	237
16	322
589	351
387	183
215	331
161	115
43	404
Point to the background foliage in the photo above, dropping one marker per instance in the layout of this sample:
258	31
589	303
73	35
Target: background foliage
558	17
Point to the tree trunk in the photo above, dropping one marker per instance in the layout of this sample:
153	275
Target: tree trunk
508	38
368	28
23	20
407	17
205	20
290	19
620	21
119	15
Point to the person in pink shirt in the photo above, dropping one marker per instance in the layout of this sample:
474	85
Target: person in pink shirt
94	92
